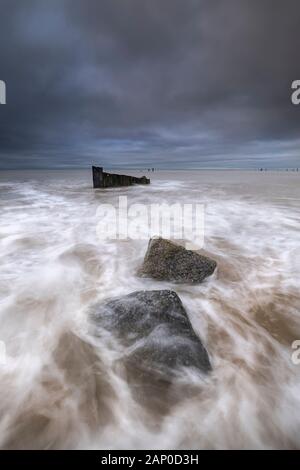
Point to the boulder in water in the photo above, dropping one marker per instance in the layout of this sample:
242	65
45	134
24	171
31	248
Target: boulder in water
155	329
168	261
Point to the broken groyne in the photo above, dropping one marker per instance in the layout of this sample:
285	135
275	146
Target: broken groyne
102	179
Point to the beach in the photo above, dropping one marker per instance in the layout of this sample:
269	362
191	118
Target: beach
64	388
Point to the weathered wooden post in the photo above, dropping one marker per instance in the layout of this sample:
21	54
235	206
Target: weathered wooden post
98	180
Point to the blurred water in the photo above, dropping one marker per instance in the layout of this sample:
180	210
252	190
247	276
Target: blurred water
62	388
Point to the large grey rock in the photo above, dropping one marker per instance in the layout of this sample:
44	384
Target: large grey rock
168	261
155	329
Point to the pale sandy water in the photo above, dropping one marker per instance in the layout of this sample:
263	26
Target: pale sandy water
61	388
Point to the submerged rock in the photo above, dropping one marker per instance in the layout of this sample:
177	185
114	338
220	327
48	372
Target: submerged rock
155	329
168	261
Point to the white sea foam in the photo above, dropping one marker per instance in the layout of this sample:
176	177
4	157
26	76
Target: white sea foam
63	388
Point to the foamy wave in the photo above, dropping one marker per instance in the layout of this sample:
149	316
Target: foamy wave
64	388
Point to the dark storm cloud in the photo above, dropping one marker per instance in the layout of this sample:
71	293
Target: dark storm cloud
138	82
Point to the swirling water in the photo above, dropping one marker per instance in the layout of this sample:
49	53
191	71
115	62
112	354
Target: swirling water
63	388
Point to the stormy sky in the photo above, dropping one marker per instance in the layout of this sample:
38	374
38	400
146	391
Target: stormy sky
135	83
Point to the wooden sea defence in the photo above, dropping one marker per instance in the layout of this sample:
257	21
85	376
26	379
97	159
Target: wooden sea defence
102	179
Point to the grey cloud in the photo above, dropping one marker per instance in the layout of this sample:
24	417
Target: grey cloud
130	82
